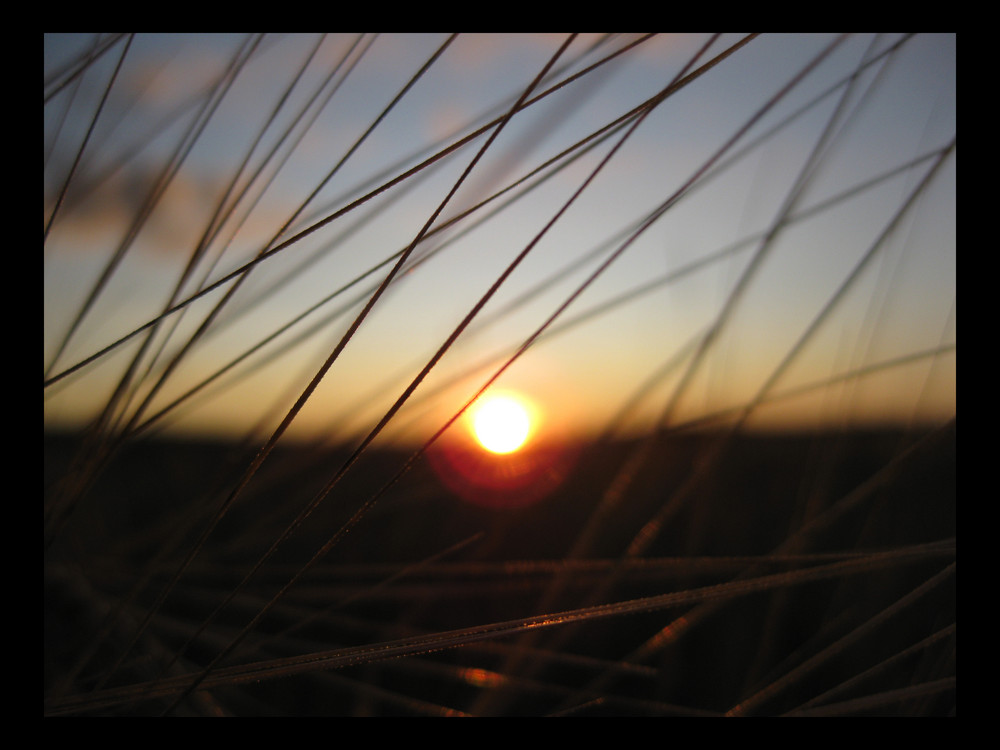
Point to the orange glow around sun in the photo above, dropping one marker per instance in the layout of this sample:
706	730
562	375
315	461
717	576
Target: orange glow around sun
510	454
502	423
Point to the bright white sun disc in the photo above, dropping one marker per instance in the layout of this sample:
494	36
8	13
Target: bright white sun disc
502	424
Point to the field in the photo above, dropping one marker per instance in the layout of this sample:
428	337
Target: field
281	271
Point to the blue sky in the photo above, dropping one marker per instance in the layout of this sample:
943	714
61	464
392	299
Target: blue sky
900	305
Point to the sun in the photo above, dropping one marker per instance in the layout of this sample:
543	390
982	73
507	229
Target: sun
502	424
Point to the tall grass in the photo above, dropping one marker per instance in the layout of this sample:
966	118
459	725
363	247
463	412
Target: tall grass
280	269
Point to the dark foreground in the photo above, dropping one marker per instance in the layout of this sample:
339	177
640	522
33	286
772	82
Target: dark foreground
771	575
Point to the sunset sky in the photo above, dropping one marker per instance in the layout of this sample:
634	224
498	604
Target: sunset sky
900	305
